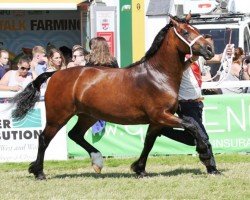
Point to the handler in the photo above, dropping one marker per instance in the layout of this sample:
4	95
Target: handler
191	105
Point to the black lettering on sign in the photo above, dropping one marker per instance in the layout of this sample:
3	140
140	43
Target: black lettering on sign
20	135
48	25
6	123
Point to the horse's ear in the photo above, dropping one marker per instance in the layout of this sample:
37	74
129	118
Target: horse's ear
175	23
188	17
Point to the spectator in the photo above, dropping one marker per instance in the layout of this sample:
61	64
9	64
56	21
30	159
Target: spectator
206	69
78	56
100	54
56	60
4	59
238	55
39	60
15	80
234	73
245	72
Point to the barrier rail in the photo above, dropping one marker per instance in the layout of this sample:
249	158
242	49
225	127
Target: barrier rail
225	84
205	85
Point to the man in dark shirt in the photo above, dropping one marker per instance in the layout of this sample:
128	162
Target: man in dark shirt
4	59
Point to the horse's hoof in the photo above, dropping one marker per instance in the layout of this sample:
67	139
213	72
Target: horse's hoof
41	176
97	161
142	174
139	170
97	168
213	171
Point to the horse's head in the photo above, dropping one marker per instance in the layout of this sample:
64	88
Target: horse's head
190	40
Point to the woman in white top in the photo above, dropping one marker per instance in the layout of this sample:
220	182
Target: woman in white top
238	71
15	80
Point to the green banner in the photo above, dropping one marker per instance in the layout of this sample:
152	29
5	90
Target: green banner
126	32
226	118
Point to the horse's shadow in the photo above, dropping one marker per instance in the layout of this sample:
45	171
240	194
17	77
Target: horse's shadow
131	175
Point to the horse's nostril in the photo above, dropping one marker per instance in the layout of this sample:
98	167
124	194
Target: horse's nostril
209	48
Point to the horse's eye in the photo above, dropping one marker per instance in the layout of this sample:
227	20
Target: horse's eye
185	32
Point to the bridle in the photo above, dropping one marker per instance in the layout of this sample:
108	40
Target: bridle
190	44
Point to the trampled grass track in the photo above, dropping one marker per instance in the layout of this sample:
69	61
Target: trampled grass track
170	177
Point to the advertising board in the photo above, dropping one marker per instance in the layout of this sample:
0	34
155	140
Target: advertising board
19	139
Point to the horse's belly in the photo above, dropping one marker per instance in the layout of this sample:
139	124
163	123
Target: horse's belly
114	113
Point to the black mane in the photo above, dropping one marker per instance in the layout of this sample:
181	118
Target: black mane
157	42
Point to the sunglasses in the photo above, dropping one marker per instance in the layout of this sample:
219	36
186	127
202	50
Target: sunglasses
24	68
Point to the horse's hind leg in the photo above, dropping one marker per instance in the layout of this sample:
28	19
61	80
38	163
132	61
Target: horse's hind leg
139	166
77	135
46	136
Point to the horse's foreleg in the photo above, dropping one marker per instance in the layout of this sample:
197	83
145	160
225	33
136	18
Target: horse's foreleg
195	130
77	135
188	123
139	166
36	167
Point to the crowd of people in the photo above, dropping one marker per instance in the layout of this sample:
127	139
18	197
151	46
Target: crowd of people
99	54
52	60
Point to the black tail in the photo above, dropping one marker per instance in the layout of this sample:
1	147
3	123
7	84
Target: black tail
27	99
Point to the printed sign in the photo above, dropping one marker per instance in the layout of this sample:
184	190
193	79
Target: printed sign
105	21
19	139
105	27
109	36
26	29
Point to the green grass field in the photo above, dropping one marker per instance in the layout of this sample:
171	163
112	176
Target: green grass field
170	177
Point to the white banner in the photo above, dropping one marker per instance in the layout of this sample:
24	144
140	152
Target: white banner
19	139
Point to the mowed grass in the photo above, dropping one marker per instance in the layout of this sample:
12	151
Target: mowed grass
170	177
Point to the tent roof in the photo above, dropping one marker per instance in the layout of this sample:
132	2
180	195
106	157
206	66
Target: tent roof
39	4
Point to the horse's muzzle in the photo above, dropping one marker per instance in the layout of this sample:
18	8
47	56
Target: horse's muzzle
207	52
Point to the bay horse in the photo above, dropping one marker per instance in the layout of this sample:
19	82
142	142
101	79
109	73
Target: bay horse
145	92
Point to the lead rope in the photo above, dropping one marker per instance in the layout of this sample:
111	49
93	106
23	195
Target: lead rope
225	64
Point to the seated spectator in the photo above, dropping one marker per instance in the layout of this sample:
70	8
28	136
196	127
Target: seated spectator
56	60
39	60
4	59
234	73
78	56
100	54
15	80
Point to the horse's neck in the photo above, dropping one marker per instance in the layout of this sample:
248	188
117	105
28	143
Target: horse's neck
168	61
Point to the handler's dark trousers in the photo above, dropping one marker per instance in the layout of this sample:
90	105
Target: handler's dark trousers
191	109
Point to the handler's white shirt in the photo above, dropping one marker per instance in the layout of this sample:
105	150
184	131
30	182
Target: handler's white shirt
189	88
